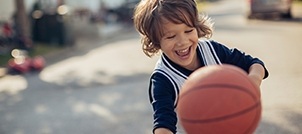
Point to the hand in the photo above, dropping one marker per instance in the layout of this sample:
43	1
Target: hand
162	131
255	79
256	74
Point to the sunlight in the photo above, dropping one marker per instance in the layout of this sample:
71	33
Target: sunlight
40	109
95	66
13	84
101	111
110	99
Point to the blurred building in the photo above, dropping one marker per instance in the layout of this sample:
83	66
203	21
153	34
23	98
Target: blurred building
50	18
7	6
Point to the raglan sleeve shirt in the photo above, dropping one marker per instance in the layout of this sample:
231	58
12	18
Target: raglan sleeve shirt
162	97
236	57
162	93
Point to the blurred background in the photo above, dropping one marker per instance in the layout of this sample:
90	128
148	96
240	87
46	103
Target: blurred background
57	22
74	66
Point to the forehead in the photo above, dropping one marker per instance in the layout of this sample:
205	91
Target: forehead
168	26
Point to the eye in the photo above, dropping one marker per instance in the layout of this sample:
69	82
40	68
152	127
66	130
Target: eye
170	37
189	31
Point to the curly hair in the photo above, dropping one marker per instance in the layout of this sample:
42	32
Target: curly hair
149	14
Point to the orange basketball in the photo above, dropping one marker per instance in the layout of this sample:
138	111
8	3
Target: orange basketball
219	99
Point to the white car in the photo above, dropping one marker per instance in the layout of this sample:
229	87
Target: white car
260	7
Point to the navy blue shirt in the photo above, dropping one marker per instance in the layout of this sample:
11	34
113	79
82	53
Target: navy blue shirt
168	77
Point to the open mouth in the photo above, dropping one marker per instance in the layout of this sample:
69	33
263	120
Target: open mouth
184	52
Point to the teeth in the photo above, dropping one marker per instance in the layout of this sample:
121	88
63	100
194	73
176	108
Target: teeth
183	51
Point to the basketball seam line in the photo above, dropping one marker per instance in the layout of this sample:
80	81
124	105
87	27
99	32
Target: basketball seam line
232	87
224	117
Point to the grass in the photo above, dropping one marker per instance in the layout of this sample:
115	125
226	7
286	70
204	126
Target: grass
4	59
42	49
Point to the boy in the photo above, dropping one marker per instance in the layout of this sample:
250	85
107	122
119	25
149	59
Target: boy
174	28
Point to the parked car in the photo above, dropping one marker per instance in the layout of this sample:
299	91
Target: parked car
262	7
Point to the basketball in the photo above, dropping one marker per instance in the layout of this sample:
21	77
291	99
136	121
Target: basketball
219	99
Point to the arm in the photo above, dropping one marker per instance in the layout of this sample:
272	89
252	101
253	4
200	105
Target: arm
256	73
162	98
253	66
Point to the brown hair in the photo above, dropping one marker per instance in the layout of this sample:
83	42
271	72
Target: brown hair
149	14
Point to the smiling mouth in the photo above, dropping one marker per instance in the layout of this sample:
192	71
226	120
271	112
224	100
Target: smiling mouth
183	52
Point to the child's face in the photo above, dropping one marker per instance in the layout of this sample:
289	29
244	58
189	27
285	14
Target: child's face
179	43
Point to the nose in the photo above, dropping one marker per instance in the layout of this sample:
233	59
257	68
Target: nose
182	40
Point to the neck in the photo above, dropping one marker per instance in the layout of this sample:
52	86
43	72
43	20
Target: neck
196	64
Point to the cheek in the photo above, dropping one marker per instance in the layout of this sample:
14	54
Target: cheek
194	39
195	34
164	45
